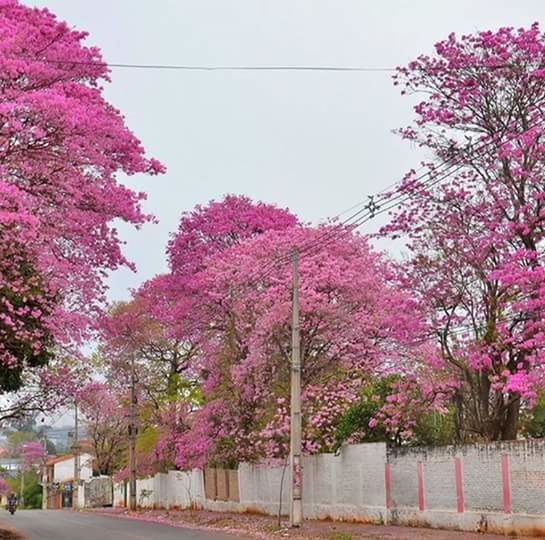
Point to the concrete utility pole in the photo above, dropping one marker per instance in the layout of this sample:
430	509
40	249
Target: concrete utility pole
75	446
44	488
296	506
43	472
22	484
132	439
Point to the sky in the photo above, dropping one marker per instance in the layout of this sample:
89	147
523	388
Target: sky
315	142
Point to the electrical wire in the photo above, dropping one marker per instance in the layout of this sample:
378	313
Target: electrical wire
370	209
399	198
366	214
212	67
200	67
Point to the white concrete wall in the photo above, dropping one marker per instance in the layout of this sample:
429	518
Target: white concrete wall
489	488
350	485
259	487
119	494
185	489
176	489
81	497
146	493
498	487
347	486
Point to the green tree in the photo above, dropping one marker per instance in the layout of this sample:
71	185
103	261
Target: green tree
16	438
32	491
428	427
533	420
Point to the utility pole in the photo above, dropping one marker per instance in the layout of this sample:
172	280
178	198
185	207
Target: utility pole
44	486
22	485
75	446
44	473
132	439
296	506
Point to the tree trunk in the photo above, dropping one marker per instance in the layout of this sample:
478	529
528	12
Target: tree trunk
511	421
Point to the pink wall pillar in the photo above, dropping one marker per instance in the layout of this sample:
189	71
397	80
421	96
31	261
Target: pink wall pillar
506	480
420	477
459	485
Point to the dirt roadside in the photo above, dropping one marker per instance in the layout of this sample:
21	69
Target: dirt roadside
266	527
7	533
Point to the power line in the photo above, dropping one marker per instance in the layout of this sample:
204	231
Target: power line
215	67
201	67
371	209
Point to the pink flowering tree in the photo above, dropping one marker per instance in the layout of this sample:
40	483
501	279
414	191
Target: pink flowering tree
158	326
161	327
32	453
106	421
401	410
202	233
219	225
61	148
26	340
474	226
162	362
164	377
4	487
355	321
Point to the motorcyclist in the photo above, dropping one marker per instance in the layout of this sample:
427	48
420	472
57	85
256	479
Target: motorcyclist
12	500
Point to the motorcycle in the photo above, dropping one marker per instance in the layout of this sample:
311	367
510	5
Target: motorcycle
11	506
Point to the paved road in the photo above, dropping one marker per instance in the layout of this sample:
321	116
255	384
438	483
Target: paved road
66	525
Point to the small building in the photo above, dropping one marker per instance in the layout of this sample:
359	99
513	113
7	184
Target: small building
10	465
59	479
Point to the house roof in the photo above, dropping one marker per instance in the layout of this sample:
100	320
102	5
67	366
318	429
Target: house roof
66	457
59	459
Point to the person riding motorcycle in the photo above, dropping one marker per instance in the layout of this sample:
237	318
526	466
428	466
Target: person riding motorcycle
12	503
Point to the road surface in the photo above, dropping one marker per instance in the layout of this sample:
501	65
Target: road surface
67	525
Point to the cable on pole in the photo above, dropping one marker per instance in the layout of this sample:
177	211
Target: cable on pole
372	207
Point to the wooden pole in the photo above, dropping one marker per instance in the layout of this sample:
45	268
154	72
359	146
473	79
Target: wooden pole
75	487
132	440
22	485
296	506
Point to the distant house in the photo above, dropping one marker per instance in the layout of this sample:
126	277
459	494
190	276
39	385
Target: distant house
59	478
10	465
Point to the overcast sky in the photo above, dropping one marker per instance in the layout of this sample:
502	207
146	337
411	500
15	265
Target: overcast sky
314	142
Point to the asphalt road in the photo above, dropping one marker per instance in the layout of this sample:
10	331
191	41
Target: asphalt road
67	525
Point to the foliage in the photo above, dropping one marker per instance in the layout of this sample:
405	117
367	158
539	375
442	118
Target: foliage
159	329
533	420
354	424
62	147
475	236
384	414
354	321
32	492
106	426
32	453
